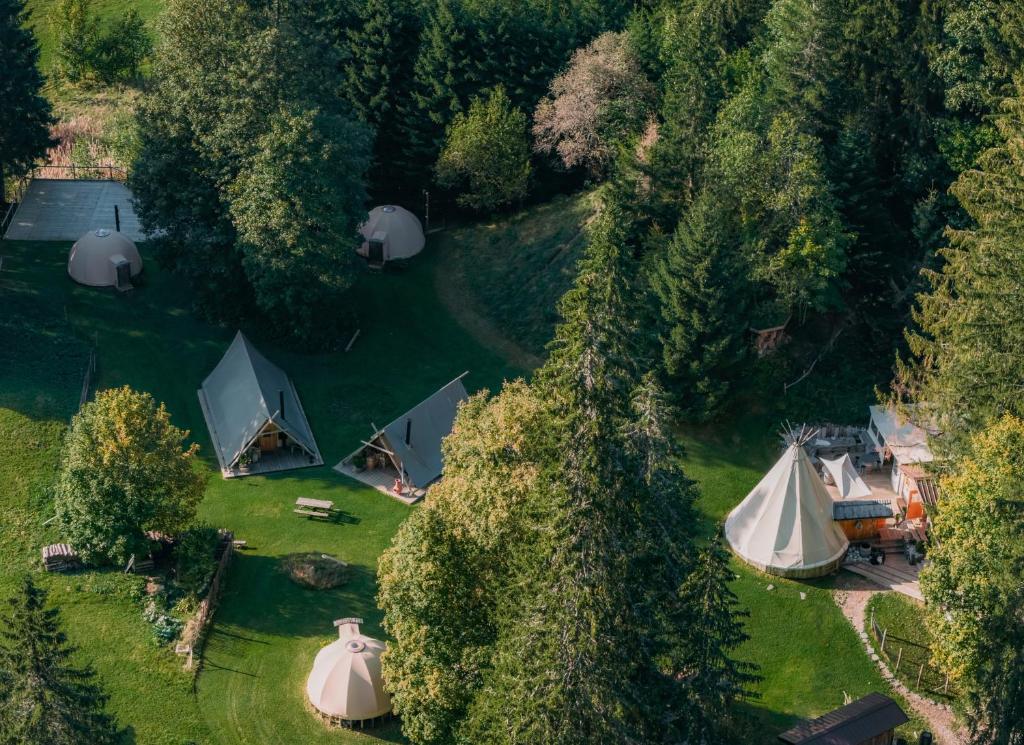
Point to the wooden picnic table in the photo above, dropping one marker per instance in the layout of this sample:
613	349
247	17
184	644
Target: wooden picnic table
316	504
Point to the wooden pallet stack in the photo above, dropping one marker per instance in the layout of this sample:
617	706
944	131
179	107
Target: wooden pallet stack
59	557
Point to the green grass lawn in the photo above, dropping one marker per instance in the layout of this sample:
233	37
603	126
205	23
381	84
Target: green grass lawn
907	640
267	629
504	277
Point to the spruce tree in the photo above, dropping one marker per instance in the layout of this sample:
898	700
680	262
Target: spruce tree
381	50
442	86
699	280
712	632
24	113
967	363
596	605
44	698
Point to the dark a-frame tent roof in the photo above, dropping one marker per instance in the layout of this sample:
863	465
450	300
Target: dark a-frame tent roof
415	438
245	392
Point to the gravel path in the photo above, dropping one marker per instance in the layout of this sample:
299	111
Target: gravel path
852	595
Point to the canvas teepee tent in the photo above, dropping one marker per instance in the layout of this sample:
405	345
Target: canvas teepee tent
784	526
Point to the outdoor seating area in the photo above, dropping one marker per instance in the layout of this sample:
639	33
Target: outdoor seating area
403	458
318	508
836	498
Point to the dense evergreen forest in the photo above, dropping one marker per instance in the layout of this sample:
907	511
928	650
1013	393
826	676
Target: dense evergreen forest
852	170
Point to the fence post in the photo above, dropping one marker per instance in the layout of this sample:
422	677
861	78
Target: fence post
945	688
919	674
885	632
899	659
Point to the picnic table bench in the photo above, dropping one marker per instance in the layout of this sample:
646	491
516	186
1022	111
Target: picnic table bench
313	507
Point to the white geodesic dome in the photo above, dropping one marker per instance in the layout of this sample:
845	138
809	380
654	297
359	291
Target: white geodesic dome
94	258
397	228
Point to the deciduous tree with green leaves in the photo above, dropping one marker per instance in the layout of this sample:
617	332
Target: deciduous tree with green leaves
77	31
199	154
295	241
44	698
486	156
124	471
974	581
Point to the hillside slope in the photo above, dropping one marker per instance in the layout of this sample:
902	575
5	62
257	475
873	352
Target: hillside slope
502	280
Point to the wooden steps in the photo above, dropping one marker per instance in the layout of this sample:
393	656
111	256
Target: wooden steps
898	576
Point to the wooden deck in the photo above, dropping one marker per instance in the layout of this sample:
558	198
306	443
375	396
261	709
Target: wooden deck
381	479
895	574
271	462
278	460
881	489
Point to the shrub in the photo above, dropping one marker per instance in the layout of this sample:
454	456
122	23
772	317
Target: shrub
194	558
118	54
165	627
77	34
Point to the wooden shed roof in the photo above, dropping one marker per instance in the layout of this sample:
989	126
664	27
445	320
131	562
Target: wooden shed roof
852	724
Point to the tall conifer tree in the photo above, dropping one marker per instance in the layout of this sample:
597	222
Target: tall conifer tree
24	113
967	363
44	699
703	297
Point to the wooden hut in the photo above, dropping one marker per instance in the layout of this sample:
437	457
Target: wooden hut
871	720
861	519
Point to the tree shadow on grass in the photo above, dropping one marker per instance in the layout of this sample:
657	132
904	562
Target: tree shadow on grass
260	597
765	725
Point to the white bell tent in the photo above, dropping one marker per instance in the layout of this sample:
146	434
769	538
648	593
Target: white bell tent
346	685
848	482
784	526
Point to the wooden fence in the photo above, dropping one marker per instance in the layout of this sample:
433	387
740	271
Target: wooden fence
90	372
913	658
194	633
74	172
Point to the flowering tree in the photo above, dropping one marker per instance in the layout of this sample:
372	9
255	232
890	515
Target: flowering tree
601	99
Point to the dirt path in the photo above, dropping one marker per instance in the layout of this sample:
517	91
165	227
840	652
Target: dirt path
459	302
852	595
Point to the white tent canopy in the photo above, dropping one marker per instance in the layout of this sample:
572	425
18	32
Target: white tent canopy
346	681
845	476
96	256
395	231
785	526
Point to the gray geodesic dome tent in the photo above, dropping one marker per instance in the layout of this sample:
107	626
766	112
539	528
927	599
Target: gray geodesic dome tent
389	233
104	258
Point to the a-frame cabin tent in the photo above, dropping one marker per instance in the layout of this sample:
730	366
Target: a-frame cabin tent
412	442
254	415
785	526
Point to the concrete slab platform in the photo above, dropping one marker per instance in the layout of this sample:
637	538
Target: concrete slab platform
64	210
